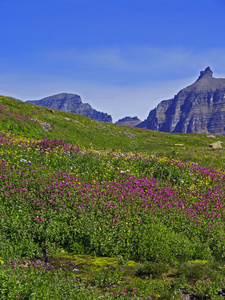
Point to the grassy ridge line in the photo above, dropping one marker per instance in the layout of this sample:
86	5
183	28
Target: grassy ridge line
27	119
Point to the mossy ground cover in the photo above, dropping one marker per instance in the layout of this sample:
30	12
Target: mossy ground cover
99	222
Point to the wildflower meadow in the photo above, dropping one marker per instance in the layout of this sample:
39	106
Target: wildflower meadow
80	223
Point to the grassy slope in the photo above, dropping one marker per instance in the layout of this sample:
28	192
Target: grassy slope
197	277
24	119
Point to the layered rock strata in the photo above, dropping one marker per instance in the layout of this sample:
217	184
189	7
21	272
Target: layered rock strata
198	108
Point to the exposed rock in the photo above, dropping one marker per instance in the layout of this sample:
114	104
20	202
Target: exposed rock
130	134
216	145
72	103
45	126
179	145
207	73
128	121
198	108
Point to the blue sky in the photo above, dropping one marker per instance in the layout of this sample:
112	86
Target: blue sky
121	56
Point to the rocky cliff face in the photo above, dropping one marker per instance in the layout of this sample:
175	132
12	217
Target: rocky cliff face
72	103
128	121
198	108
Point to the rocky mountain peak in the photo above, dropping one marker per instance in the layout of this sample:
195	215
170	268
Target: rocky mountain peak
207	73
72	103
199	108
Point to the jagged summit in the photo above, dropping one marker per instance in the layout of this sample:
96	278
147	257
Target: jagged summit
205	82
200	108
207	73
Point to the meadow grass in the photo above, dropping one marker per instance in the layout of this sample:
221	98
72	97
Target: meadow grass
157	211
81	221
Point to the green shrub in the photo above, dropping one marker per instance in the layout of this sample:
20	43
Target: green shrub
156	270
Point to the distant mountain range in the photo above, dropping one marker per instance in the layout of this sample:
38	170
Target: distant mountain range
128	121
72	103
198	108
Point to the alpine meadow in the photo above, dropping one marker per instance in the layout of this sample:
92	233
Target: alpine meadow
92	210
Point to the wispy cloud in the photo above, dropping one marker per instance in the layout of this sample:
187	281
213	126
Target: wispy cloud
151	60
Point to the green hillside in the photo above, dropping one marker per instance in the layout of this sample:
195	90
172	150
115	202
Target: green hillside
31	121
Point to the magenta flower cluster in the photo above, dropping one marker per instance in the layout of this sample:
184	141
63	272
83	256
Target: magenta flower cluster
120	206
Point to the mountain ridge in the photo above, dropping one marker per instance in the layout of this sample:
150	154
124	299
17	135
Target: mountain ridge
198	108
128	121
68	102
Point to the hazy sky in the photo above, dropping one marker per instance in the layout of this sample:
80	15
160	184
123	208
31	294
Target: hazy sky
121	56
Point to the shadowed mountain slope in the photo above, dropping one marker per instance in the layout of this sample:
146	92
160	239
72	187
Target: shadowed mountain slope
198	108
72	103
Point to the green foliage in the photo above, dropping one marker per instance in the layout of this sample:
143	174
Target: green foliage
34	283
107	277
130	203
195	270
156	270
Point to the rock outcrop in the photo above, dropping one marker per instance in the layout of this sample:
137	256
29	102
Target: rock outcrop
198	108
216	145
72	103
128	121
